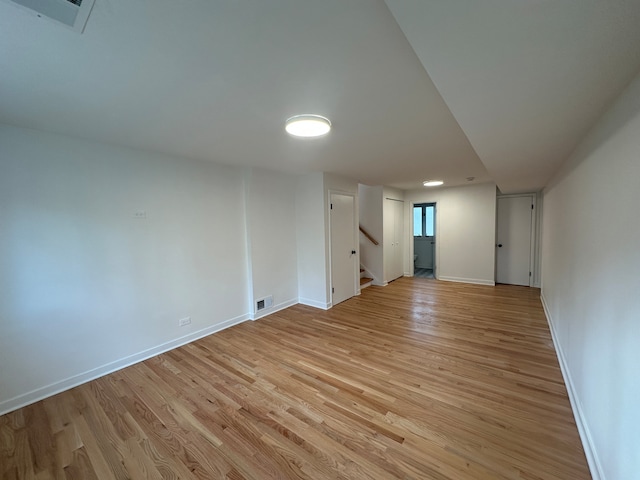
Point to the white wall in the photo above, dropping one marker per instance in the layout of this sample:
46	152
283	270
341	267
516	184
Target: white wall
392	193
370	216
85	287
271	232
465	231
311	247
591	285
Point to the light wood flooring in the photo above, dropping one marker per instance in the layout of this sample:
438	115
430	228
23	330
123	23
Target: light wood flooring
417	380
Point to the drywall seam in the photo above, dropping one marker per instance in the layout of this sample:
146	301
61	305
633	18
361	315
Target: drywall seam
583	429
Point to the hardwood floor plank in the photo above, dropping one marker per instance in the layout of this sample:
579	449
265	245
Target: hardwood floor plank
417	380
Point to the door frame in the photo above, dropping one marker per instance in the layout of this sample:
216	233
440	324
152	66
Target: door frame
356	245
401	242
532	241
435	236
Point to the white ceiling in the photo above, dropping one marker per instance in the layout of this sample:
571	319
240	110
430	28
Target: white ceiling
215	80
525	79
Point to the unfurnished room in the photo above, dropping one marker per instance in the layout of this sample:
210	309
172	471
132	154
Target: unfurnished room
347	239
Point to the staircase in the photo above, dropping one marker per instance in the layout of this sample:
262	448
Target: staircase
364	280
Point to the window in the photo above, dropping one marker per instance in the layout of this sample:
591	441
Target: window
418	224
428	224
424	220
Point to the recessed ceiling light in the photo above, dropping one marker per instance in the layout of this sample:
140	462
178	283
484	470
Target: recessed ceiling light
432	183
308	125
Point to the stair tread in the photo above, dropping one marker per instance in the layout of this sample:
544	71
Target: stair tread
365	280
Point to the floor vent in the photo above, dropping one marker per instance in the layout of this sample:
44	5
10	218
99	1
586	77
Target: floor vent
72	13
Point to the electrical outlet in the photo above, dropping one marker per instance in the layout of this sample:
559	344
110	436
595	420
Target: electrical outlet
184	321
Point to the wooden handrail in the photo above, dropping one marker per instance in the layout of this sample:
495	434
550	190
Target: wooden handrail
366	234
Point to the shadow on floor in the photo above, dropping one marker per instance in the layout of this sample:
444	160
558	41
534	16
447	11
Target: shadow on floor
423	273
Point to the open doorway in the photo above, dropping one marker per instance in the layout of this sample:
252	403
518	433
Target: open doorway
424	240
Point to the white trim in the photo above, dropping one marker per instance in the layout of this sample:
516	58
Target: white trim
314	303
41	393
436	250
368	273
533	243
274	309
583	428
477	281
356	244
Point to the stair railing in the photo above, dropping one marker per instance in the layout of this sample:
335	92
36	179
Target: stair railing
369	237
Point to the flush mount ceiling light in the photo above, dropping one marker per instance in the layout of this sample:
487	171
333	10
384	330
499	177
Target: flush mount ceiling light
308	125
432	183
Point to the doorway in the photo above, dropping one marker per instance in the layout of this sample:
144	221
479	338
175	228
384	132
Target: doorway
343	247
515	240
424	240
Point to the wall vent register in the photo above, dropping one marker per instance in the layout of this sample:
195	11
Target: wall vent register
72	13
263	303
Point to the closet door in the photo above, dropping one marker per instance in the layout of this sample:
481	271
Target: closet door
393	219
343	248
514	240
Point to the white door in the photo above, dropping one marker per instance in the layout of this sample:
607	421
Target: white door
393	220
513	245
343	248
424	235
398	222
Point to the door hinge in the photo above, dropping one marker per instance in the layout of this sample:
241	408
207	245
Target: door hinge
332	206
532	206
333	290
529	273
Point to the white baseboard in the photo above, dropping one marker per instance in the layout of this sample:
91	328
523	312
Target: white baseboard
41	393
583	429
274	309
314	303
476	281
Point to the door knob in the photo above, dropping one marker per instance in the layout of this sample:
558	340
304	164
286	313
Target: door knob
353	252
499	245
